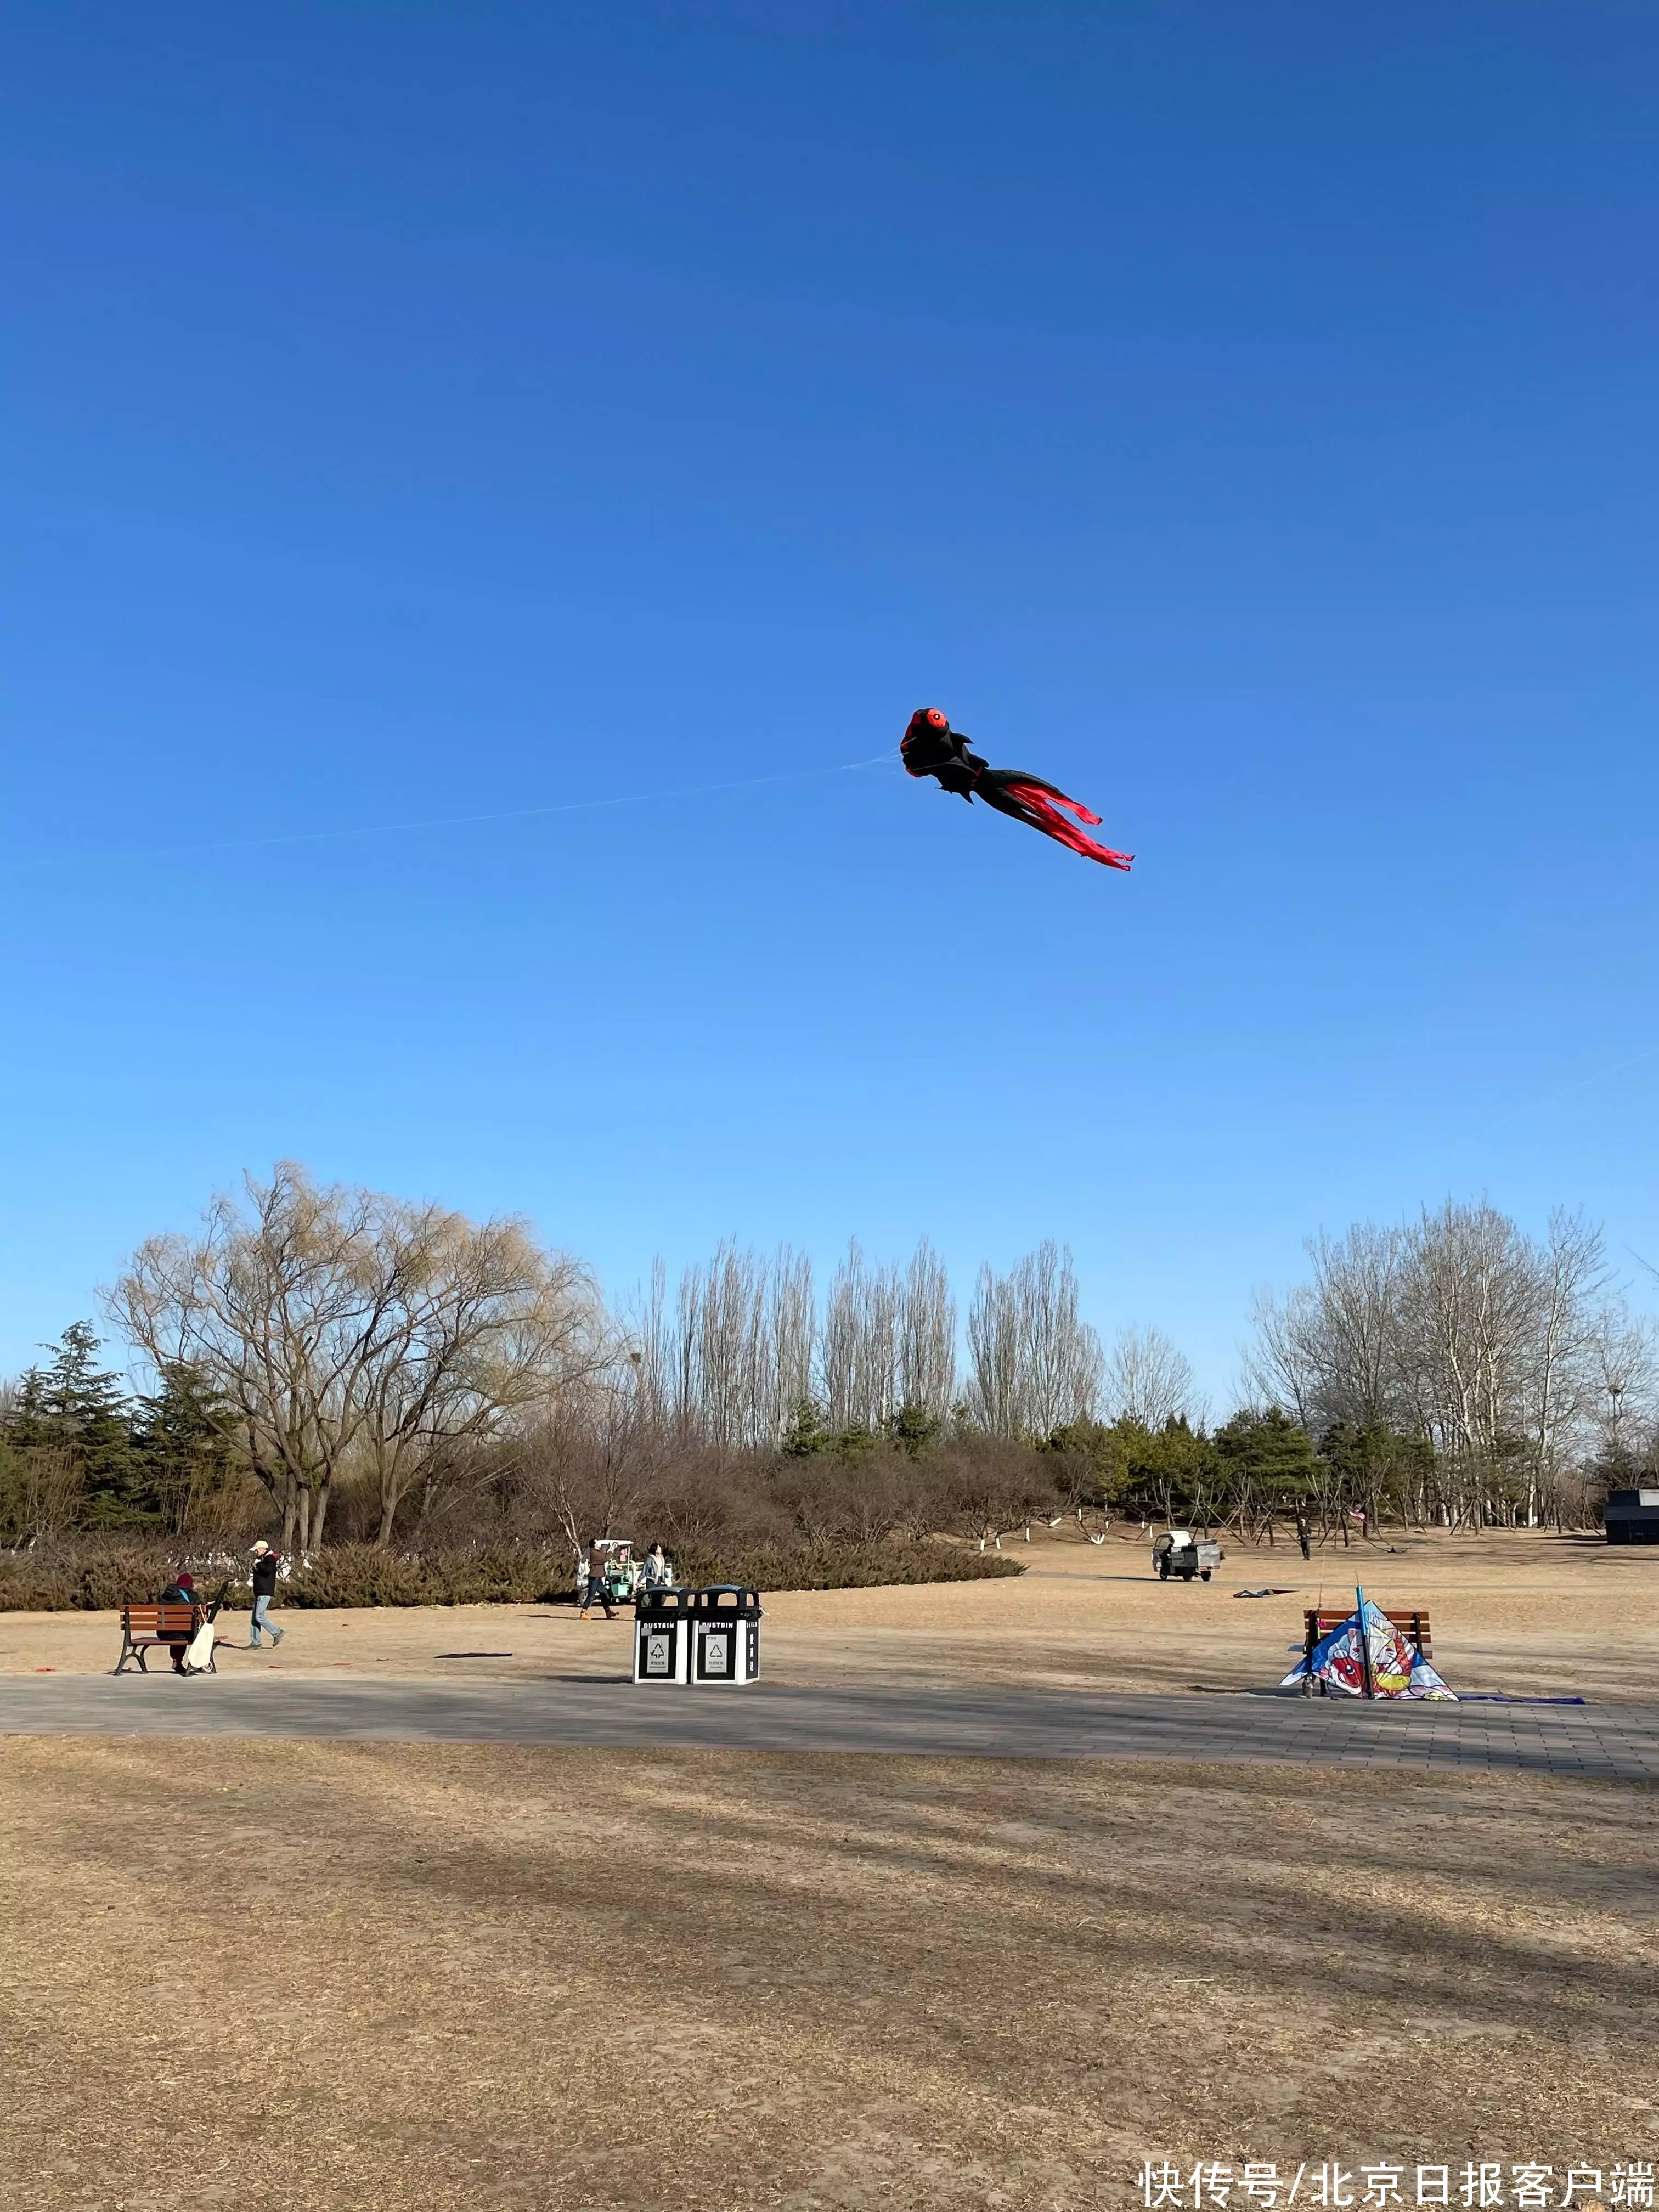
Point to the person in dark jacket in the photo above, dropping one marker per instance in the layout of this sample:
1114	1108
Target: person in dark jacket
266	1564
180	1592
594	1587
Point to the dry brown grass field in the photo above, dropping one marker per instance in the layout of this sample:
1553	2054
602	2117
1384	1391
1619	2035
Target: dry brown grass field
372	1976
1513	1610
350	1976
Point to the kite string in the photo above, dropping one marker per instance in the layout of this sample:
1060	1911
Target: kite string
437	822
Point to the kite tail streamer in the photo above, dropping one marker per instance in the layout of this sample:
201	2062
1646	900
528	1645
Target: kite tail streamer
1041	802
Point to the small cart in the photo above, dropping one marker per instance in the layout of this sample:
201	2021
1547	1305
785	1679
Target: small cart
615	1571
1178	1554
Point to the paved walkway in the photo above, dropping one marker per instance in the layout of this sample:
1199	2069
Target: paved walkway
1616	1742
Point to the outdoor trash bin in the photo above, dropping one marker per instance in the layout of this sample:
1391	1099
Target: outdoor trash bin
662	1634
725	1635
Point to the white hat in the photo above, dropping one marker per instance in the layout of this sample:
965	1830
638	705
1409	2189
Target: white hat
261	1546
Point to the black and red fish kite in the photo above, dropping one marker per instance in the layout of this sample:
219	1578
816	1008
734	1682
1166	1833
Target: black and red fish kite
931	747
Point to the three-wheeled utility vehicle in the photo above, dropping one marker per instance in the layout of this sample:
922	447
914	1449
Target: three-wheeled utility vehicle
1179	1553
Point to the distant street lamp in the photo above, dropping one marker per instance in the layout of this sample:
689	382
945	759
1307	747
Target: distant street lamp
1616	1391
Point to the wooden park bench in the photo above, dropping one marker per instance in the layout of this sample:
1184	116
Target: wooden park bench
143	1627
1317	1625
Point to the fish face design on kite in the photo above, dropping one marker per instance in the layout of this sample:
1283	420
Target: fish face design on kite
931	747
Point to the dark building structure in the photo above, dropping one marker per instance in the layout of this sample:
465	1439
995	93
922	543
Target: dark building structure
1632	1516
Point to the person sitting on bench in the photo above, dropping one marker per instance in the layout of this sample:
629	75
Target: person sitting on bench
181	1592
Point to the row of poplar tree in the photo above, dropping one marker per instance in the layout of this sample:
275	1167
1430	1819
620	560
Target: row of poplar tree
311	1343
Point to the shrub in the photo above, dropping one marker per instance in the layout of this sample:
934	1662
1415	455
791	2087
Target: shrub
344	1575
92	1577
87	1577
841	1566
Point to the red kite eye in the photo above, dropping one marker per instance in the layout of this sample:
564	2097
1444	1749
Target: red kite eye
937	718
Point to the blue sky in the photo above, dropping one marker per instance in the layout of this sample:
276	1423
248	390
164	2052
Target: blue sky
1242	416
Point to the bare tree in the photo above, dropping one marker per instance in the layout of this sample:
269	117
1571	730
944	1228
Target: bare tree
584	1459
1469	1323
1571	1326
859	1351
983	1487
1036	1365
888	1341
1499	1351
1618	1395
926	1336
792	1325
996	1391
722	1309
732	1362
1148	1379
1330	1351
1280	1366
352	1332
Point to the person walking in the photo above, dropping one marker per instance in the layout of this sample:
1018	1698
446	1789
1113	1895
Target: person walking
266	1564
593	1587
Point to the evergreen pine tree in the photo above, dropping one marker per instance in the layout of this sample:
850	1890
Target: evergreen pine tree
1266	1453
181	1445
24	1425
74	1406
